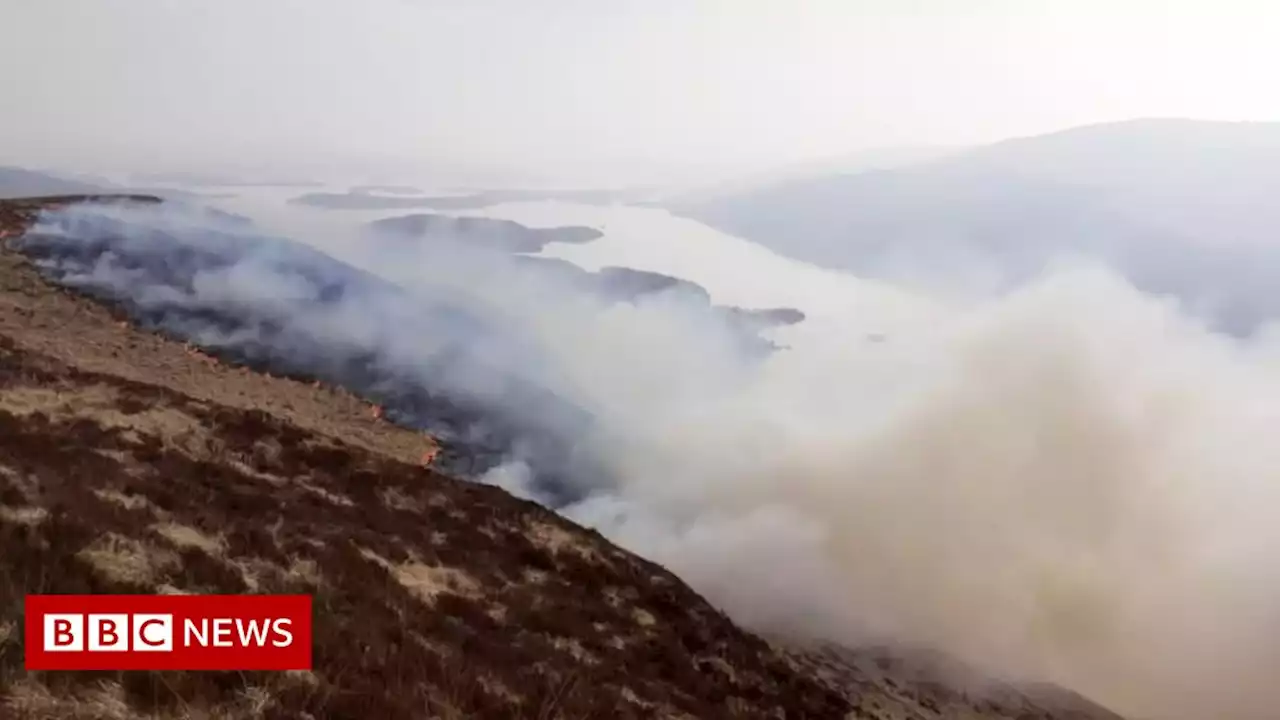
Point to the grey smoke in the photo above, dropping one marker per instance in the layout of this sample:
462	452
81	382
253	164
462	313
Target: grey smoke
450	352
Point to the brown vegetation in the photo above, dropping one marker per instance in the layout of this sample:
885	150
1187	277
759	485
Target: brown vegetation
447	600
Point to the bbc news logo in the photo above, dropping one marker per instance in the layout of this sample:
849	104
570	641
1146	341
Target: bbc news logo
168	632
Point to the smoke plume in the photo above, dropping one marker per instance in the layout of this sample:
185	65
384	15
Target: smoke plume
1073	481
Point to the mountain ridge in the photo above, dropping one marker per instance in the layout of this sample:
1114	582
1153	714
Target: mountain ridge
1177	207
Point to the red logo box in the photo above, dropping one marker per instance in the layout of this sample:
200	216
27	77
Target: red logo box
168	632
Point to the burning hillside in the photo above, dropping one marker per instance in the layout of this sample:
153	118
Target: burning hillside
453	364
273	305
132	462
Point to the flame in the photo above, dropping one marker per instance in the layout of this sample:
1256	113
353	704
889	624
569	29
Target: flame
197	352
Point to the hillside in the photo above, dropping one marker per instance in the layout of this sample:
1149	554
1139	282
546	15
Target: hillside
133	463
19	182
1178	206
16	182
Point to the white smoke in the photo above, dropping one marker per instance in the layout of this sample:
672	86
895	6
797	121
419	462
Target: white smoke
516	477
1073	482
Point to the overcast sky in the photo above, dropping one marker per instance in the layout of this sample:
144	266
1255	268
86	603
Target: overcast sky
626	89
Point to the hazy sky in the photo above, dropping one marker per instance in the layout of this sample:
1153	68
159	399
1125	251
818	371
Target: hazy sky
632	89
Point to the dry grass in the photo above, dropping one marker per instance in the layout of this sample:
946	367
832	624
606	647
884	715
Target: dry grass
558	540
397	500
105	701
426	582
127	560
128	502
26	515
304	572
185	536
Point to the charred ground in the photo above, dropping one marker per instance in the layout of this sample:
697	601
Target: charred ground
130	463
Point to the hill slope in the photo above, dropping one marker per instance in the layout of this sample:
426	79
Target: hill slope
129	463
19	182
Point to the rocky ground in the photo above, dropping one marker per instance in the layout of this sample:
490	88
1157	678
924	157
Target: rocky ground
132	463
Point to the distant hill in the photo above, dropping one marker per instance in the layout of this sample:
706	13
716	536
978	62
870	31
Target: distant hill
499	234
197	180
1179	206
623	284
862	161
613	284
387	189
362	199
19	182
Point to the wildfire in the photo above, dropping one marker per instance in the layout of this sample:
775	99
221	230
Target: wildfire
195	352
429	456
376	412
